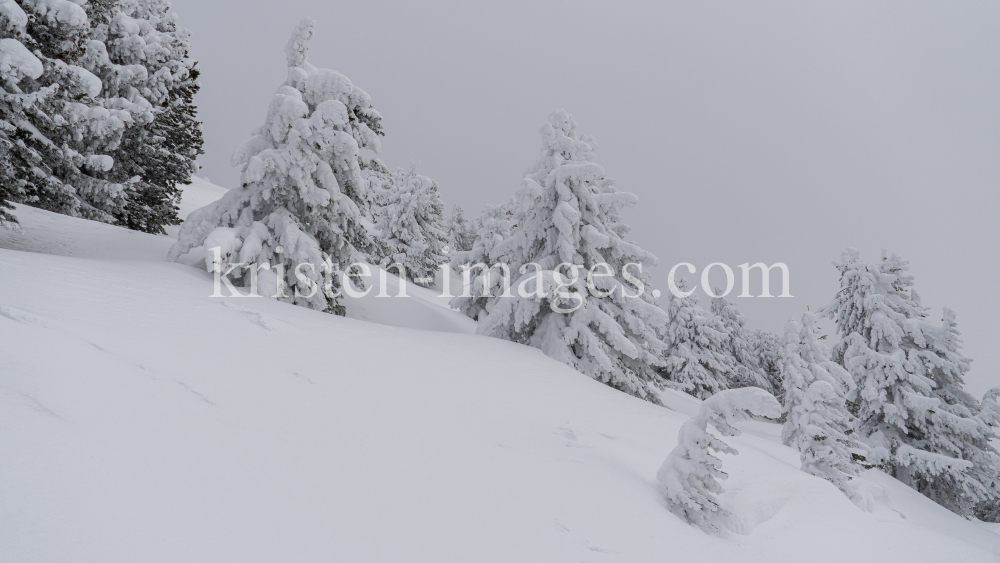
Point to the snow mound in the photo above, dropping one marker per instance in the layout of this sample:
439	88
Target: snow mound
12	17
59	12
16	61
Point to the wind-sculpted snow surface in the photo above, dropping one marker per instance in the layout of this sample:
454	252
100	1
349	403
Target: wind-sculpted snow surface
152	423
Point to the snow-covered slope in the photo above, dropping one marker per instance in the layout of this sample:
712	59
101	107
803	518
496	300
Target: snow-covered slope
141	420
199	193
51	233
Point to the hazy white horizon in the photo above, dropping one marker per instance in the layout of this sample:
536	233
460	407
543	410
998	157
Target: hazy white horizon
775	131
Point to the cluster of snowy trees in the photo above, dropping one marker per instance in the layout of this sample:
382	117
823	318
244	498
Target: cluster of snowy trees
97	118
911	408
890	395
567	214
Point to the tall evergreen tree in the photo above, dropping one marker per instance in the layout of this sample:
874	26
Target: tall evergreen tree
764	345
908	374
989	510
990	411
141	53
293	206
492	228
567	212
697	359
115	77
817	421
72	131
20	151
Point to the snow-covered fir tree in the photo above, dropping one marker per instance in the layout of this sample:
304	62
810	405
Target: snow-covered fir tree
947	366
803	359
949	375
908	372
492	228
410	221
764	345
746	365
141	54
20	151
294	205
817	421
91	114
567	211
461	233
826	448
697	360
989	510
689	477
72	132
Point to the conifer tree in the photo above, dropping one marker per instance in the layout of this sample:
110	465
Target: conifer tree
989	510
72	132
20	152
817	421
764	345
697	360
908	372
409	221
293	206
746	366
566	221
140	51
990	411
485	281
461	234
110	70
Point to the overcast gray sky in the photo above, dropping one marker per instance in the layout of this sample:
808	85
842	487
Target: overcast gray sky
751	131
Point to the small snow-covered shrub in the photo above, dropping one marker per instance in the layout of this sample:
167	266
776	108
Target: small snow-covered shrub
689	477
